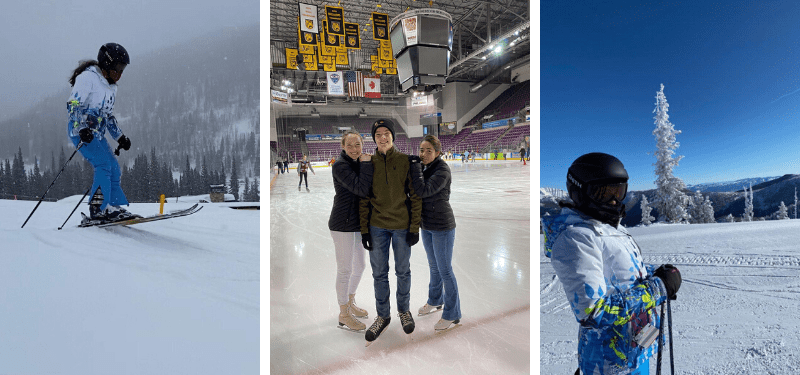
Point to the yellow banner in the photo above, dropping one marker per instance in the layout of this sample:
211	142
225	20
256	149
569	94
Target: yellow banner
326	60
291	58
306	49
329	67
327	50
385	54
390	71
342	59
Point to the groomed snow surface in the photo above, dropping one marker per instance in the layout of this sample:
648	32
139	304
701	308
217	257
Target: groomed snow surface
178	296
491	262
737	309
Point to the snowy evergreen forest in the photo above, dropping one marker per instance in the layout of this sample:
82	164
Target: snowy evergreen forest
190	110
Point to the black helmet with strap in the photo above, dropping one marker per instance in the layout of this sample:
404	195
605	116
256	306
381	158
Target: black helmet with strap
598	183
111	55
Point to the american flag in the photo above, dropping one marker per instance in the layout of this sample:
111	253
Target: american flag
355	83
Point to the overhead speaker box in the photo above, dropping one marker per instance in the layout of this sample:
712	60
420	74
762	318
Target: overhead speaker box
422	40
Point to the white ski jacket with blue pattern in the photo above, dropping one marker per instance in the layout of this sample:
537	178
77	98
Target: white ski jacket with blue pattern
610	290
91	104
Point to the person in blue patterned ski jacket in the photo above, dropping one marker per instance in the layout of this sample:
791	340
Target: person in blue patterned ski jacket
612	293
91	114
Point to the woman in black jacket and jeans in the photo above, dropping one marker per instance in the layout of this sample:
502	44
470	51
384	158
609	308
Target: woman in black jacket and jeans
432	183
352	179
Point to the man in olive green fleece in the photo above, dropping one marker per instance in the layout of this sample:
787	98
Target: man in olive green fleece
391	214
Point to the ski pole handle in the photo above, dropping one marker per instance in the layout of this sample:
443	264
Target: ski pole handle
116	151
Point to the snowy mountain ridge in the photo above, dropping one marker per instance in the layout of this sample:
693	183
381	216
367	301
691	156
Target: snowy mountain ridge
729	185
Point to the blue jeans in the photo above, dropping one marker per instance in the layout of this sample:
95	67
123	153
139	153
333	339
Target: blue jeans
442	287
106	171
379	260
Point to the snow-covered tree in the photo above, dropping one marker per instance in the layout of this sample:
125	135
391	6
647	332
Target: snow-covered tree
708	208
646	209
783	212
795	202
670	200
748	204
730	218
695	208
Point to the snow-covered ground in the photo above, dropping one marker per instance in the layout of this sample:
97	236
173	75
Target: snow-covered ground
178	296
737	309
491	262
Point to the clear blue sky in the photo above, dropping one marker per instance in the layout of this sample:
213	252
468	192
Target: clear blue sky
731	71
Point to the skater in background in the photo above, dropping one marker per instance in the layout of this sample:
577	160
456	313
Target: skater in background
279	163
91	114
431	181
612	293
522	155
391	214
352	180
302	169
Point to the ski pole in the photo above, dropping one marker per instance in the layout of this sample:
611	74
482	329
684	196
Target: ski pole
671	357
660	340
76	207
53	183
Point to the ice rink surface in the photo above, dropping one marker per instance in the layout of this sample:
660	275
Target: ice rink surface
491	262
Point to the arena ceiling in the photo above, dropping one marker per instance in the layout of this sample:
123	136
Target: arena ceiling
478	27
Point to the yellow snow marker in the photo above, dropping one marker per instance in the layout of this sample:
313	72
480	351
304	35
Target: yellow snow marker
161	206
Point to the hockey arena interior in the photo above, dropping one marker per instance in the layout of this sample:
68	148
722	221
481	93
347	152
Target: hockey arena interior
459	70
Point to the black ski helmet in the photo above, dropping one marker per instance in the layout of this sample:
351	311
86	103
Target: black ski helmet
110	55
590	172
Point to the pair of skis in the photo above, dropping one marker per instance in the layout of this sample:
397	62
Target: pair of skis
86	223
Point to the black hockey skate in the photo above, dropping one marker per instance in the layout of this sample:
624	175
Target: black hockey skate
375	330
407	321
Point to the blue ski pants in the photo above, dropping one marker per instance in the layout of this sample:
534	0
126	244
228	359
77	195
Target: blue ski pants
106	171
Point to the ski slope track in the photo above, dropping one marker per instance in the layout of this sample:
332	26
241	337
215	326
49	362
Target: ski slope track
736	311
177	296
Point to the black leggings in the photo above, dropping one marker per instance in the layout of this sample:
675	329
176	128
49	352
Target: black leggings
303	174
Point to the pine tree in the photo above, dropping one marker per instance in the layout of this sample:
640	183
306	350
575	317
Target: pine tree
708	208
18	180
730	218
246	197
670	199
783	212
748	204
646	209
234	185
256	195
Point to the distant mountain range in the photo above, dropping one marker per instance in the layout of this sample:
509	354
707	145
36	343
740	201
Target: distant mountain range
729	185
727	198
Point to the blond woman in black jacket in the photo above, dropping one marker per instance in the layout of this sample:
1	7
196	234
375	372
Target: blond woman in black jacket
352	179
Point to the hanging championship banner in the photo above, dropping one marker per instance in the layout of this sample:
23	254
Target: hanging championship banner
291	58
310	62
308	18
327	50
385	54
384	63
386	44
341	49
306	49
335	83
330	40
352	37
342	59
329	67
390	71
410	30
306	38
380	26
335	18
373	58
326	59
